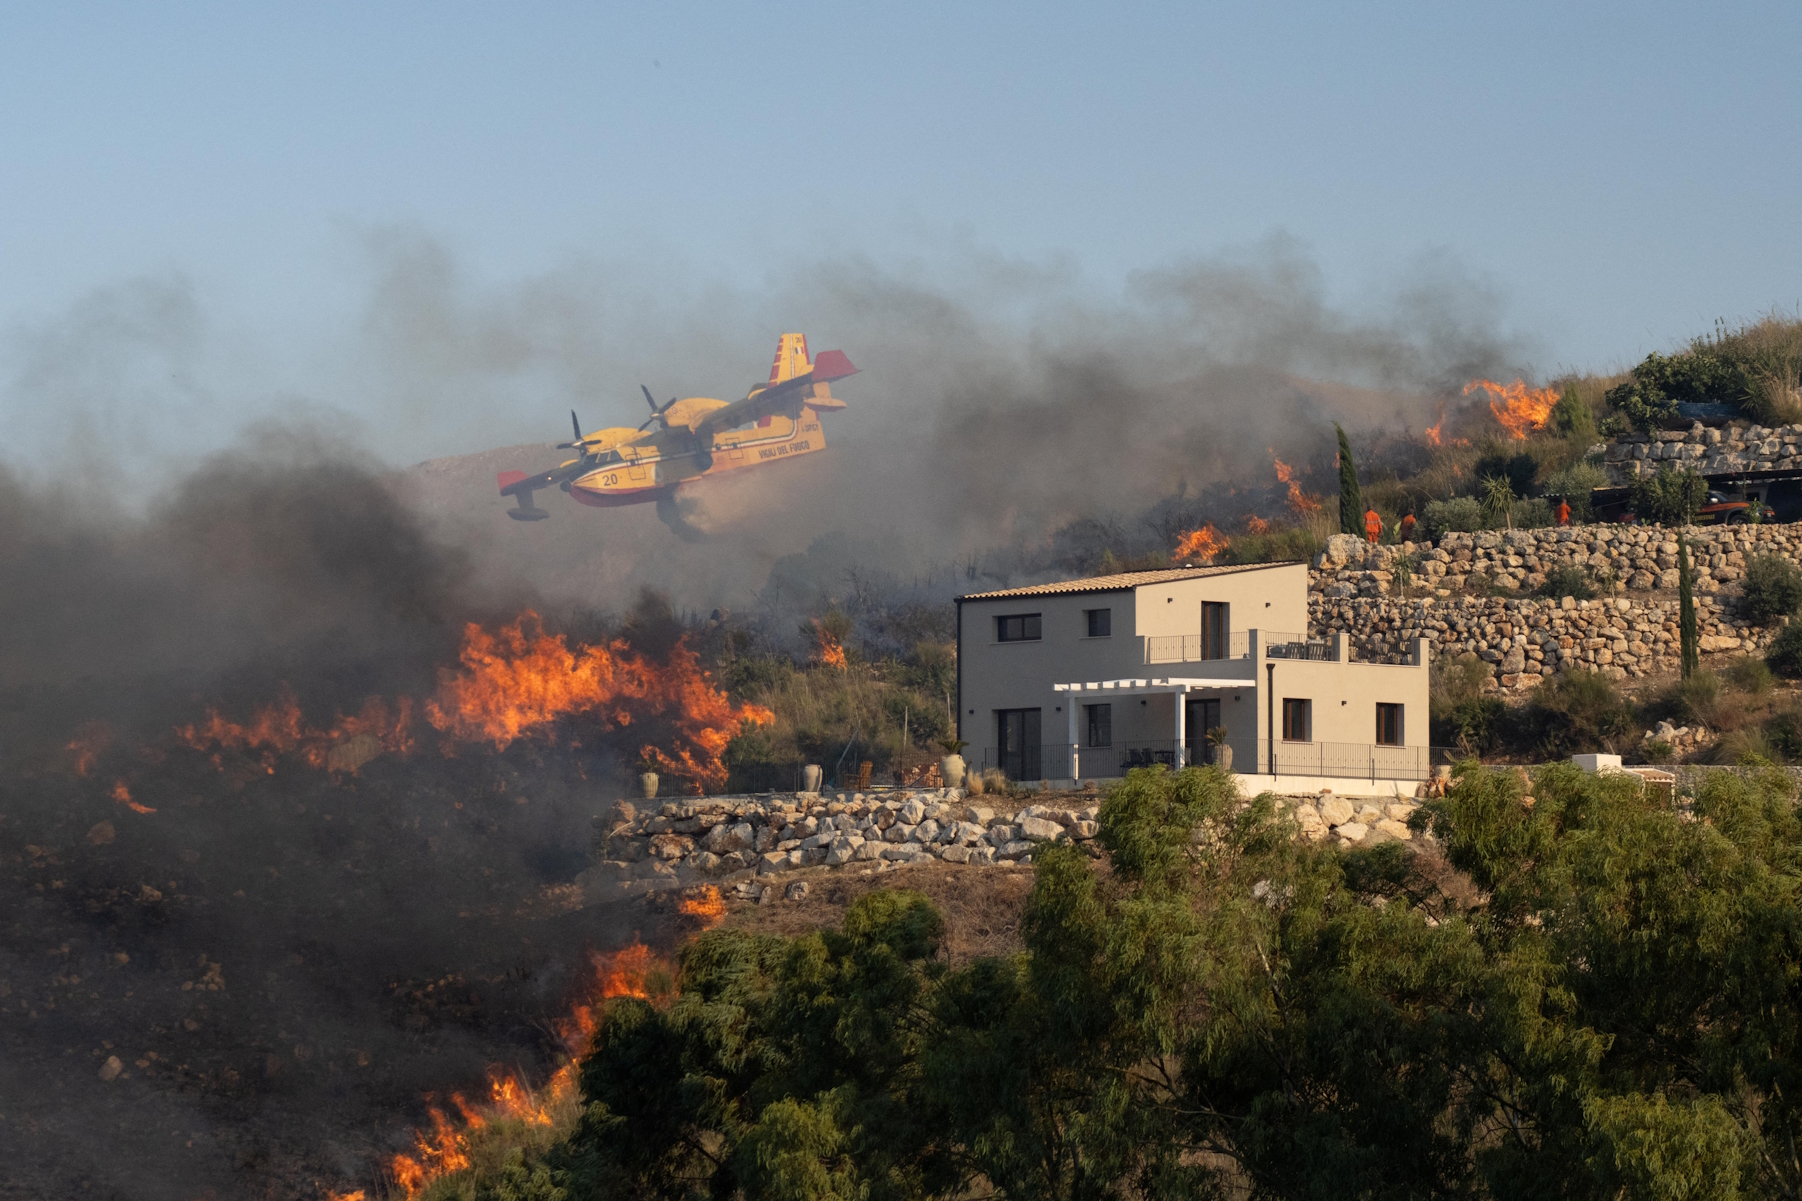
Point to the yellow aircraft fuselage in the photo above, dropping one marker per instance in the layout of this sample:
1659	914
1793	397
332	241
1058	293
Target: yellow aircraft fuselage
699	437
656	461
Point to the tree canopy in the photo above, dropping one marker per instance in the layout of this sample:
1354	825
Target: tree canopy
1579	991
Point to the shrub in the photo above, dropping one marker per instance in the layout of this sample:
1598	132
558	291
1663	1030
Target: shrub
1785	654
1567	580
1784	733
1572	418
1574	484
1670	496
1773	588
1532	514
1699	696
1273	546
1460	713
1461	513
1750	675
1579	711
1658	751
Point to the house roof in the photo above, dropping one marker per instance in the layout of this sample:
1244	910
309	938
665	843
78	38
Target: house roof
1125	581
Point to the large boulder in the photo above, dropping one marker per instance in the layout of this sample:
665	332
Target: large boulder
1038	829
1334	810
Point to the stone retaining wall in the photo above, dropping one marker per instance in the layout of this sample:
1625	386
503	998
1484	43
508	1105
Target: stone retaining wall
679	842
1525	640
1450	601
1737	447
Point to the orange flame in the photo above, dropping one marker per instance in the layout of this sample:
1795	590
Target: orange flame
122	794
279	729
1256	525
1432	431
512	683
828	651
1302	502
705	905
1201	545
1520	409
88	743
446	1148
520	680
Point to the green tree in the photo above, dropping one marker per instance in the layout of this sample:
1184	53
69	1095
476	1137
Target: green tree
1498	500
1572	418
1773	588
1687	642
1351	497
1670	496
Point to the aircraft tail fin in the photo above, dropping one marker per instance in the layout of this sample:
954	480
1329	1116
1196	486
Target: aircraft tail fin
791	358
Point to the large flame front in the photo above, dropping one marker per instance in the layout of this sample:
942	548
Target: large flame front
1201	545
512	683
1520	409
1303	503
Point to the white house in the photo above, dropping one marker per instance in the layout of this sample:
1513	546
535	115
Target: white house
1087	678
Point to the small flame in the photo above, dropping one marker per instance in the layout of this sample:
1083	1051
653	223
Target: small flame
1256	525
706	905
122	794
279	729
1432	431
88	743
828	650
1302	502
1520	409
1202	545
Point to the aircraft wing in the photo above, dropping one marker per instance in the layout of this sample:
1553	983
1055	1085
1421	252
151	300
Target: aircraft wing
784	397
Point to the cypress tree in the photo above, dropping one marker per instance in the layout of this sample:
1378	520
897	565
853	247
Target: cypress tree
1351	497
1686	610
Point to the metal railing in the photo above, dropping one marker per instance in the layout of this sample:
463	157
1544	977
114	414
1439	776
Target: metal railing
1189	648
1040	763
1347	760
1278	644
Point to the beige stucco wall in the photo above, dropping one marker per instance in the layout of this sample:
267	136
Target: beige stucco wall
1021	675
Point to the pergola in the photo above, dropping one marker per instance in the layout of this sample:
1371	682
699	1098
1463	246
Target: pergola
1173	686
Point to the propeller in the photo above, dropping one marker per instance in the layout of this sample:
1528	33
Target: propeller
577	427
656	413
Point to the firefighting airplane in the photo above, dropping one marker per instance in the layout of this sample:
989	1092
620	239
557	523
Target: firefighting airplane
696	437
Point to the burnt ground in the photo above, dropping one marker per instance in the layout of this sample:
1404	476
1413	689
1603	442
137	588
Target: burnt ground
288	967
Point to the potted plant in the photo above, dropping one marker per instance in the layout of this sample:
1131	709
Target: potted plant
951	767
810	778
1223	751
647	778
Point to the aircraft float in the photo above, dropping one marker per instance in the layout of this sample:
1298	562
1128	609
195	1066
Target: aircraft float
696	437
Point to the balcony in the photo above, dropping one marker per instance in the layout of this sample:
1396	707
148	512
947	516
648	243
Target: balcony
1278	644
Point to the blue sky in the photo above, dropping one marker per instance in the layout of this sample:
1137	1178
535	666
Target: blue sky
1618	175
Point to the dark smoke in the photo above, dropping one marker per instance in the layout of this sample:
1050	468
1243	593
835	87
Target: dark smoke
284	961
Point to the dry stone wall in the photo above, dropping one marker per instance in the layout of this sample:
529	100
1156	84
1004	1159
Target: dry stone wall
1738	447
1451	600
680	842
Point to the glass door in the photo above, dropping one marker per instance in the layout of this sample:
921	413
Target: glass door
1201	716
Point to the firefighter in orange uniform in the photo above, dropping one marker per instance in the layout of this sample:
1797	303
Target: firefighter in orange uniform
1373	526
1407	531
1563	511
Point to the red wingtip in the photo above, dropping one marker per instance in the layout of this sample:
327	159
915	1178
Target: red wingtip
507	478
831	365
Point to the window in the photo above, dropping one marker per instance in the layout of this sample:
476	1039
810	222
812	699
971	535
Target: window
1023	628
1101	622
1213	630
1101	724
1017	743
1389	725
1295	720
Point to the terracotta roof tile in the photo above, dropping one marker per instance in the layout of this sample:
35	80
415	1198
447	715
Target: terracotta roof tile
1124	581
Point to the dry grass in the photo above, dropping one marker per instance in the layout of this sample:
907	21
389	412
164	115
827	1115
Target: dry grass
981	905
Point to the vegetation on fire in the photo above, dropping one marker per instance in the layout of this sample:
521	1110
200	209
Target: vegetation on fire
1584	991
